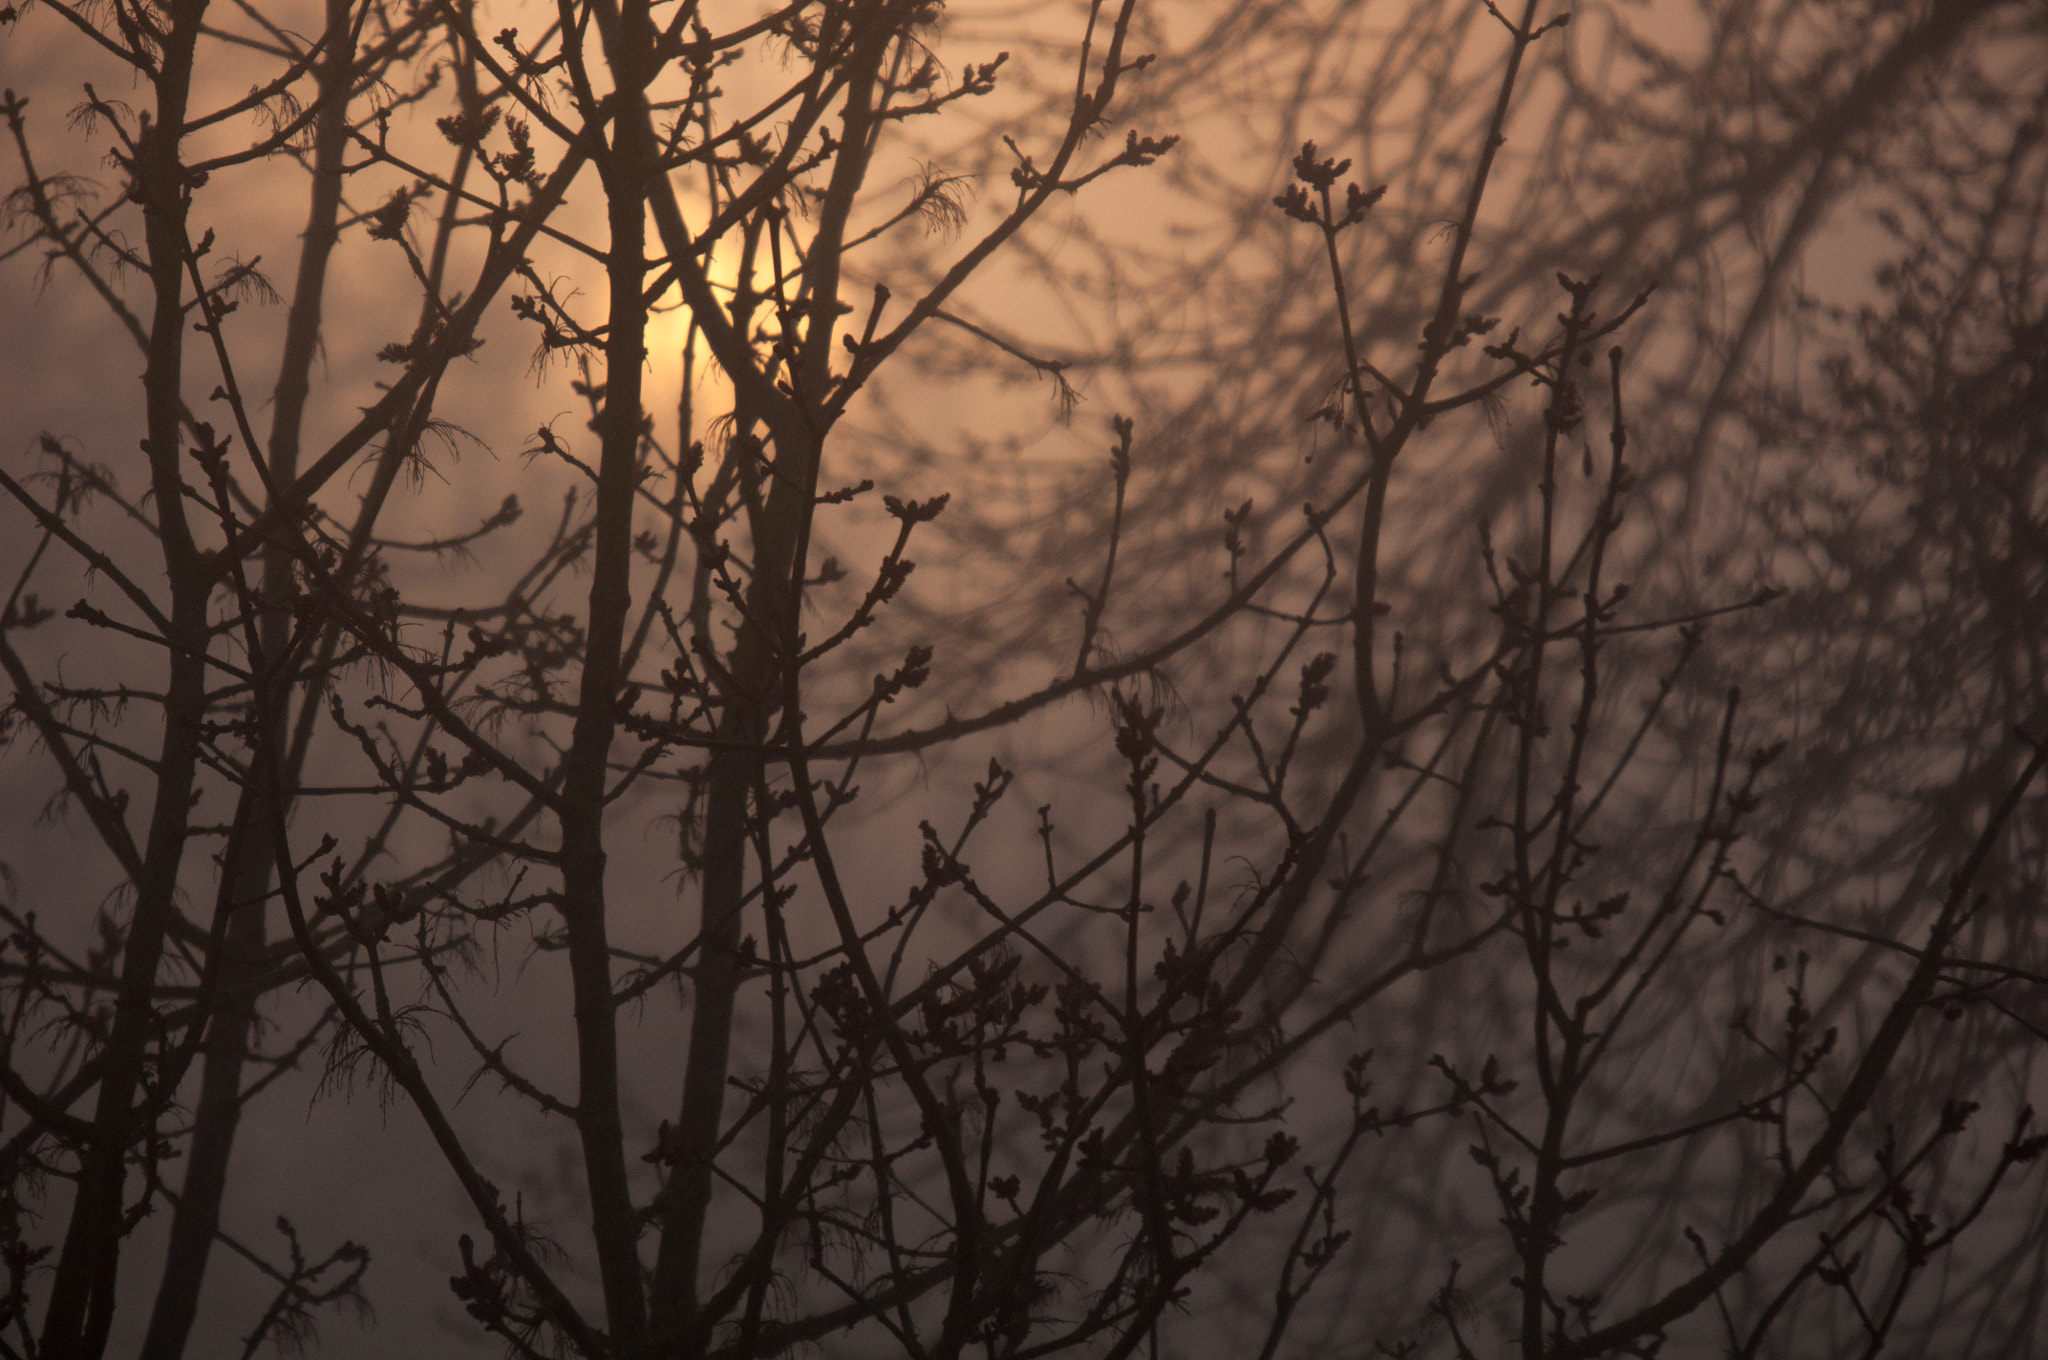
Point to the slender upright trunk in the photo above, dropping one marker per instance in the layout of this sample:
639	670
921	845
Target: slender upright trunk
757	668
81	1305
218	1114
614	1221
736	771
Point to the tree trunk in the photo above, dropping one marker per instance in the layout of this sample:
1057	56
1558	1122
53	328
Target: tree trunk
82	1296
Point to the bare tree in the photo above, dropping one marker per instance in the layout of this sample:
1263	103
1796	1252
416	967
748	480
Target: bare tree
916	1085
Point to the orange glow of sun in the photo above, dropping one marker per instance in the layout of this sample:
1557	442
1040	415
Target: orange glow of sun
670	332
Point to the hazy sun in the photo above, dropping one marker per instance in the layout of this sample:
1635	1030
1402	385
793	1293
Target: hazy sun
675	348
